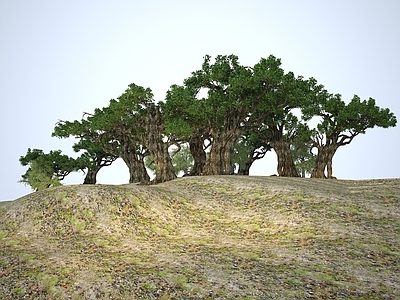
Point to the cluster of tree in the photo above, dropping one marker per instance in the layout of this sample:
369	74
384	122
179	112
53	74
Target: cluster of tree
223	115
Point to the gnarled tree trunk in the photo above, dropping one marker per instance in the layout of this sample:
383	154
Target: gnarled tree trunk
152	139
324	161
219	160
213	165
137	170
286	166
196	145
91	176
165	169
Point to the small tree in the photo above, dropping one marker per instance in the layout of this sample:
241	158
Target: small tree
40	176
340	124
303	158
92	159
115	129
182	160
247	150
46	170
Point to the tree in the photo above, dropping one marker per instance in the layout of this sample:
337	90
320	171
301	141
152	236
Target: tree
119	130
153	139
340	124
92	159
134	125
303	158
131	127
182	160
220	101
40	176
115	140
186	121
46	169
247	150
226	107
275	121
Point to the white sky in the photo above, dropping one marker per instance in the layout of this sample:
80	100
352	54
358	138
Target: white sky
61	58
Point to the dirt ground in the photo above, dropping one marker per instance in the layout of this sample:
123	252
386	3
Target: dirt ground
217	237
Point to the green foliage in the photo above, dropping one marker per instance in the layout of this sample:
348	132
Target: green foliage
248	148
46	170
93	155
360	115
183	112
224	102
40	176
241	152
303	158
117	130
182	160
107	126
341	121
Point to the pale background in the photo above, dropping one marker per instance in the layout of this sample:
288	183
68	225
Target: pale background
62	58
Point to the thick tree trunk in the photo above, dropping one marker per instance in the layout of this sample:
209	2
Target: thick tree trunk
213	165
227	155
286	166
91	176
196	145
219	160
152	139
320	164
137	170
324	161
165	169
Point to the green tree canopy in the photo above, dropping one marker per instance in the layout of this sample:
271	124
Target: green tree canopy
340	123
247	150
228	114
46	169
92	159
221	101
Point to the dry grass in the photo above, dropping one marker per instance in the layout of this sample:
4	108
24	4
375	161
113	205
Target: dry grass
222	237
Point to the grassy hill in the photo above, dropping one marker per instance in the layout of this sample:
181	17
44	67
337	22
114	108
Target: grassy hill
222	237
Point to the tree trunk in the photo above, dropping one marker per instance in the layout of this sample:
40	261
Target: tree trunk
245	170
227	154
324	161
137	170
219	161
165	169
91	176
213	165
152	139
196	145
286	166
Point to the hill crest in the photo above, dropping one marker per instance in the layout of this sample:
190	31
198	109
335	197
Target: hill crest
196	237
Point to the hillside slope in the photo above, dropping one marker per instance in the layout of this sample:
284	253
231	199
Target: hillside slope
222	237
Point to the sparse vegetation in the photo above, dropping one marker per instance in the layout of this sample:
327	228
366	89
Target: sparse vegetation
215	237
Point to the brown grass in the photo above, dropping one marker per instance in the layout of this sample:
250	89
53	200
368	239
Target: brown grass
222	237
